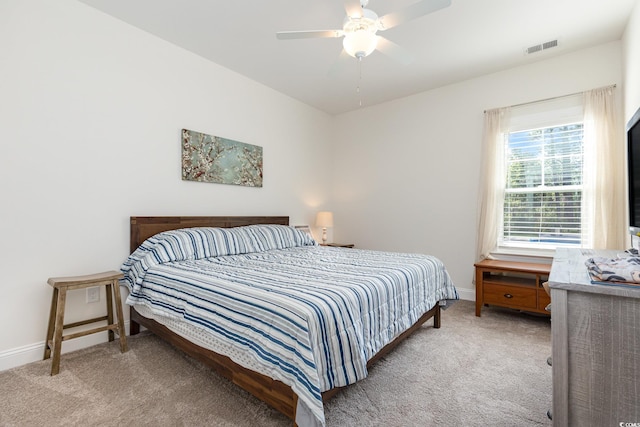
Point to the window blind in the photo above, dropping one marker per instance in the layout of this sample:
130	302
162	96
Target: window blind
543	188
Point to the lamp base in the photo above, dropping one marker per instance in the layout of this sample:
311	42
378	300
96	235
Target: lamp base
324	235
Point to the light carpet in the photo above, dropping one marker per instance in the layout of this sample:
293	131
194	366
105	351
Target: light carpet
488	370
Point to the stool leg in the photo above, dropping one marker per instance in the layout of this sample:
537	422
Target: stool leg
121	333
57	334
110	310
52	322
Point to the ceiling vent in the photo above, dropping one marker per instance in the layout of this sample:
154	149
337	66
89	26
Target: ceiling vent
540	47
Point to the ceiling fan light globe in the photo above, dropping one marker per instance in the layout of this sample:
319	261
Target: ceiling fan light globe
360	43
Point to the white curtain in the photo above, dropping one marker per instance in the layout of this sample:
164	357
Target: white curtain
604	197
492	180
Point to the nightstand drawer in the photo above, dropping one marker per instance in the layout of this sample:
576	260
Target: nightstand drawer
510	296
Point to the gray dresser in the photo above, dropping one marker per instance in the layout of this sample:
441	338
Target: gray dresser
595	345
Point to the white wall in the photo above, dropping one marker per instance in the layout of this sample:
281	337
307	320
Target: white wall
406	172
631	60
90	116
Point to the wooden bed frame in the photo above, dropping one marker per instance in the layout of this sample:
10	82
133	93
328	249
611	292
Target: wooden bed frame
275	393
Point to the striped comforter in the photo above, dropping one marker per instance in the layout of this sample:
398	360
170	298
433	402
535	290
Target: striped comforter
275	302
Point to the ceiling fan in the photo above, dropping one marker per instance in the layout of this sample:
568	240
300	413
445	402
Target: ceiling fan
360	26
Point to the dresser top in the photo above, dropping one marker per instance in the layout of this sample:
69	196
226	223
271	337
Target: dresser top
569	272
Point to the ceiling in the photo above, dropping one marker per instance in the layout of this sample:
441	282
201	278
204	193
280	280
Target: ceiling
465	40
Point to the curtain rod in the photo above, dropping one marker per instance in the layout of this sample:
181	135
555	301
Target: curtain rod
554	97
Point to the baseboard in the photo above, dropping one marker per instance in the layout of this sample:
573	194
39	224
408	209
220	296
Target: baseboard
467	294
34	352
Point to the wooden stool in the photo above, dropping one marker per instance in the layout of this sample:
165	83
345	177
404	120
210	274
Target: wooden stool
56	316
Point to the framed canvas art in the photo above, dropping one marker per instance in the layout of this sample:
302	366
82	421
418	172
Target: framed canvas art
209	158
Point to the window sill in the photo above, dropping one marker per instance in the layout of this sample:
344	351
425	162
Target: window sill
542	256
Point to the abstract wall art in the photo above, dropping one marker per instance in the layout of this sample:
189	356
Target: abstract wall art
208	158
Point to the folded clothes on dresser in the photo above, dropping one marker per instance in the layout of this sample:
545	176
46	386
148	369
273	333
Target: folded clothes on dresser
626	269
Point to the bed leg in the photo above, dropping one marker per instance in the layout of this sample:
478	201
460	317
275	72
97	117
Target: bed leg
436	317
134	327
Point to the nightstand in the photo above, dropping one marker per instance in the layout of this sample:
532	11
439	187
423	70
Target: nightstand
338	245
512	284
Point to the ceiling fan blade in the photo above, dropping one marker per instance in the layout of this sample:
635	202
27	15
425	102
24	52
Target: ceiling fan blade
289	35
414	11
353	8
394	51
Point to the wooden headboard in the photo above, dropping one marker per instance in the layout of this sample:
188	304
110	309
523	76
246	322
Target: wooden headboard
143	227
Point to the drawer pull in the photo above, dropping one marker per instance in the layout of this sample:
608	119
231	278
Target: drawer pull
508	296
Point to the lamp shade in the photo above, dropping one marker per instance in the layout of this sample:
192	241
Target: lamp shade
324	219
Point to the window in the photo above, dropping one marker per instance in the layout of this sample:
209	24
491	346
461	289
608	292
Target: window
551	175
543	187
542	176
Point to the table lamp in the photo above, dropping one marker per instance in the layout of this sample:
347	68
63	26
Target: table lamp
324	220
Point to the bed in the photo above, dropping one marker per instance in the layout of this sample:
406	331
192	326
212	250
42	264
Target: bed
263	304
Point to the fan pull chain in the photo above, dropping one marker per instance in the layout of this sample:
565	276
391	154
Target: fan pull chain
359	80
